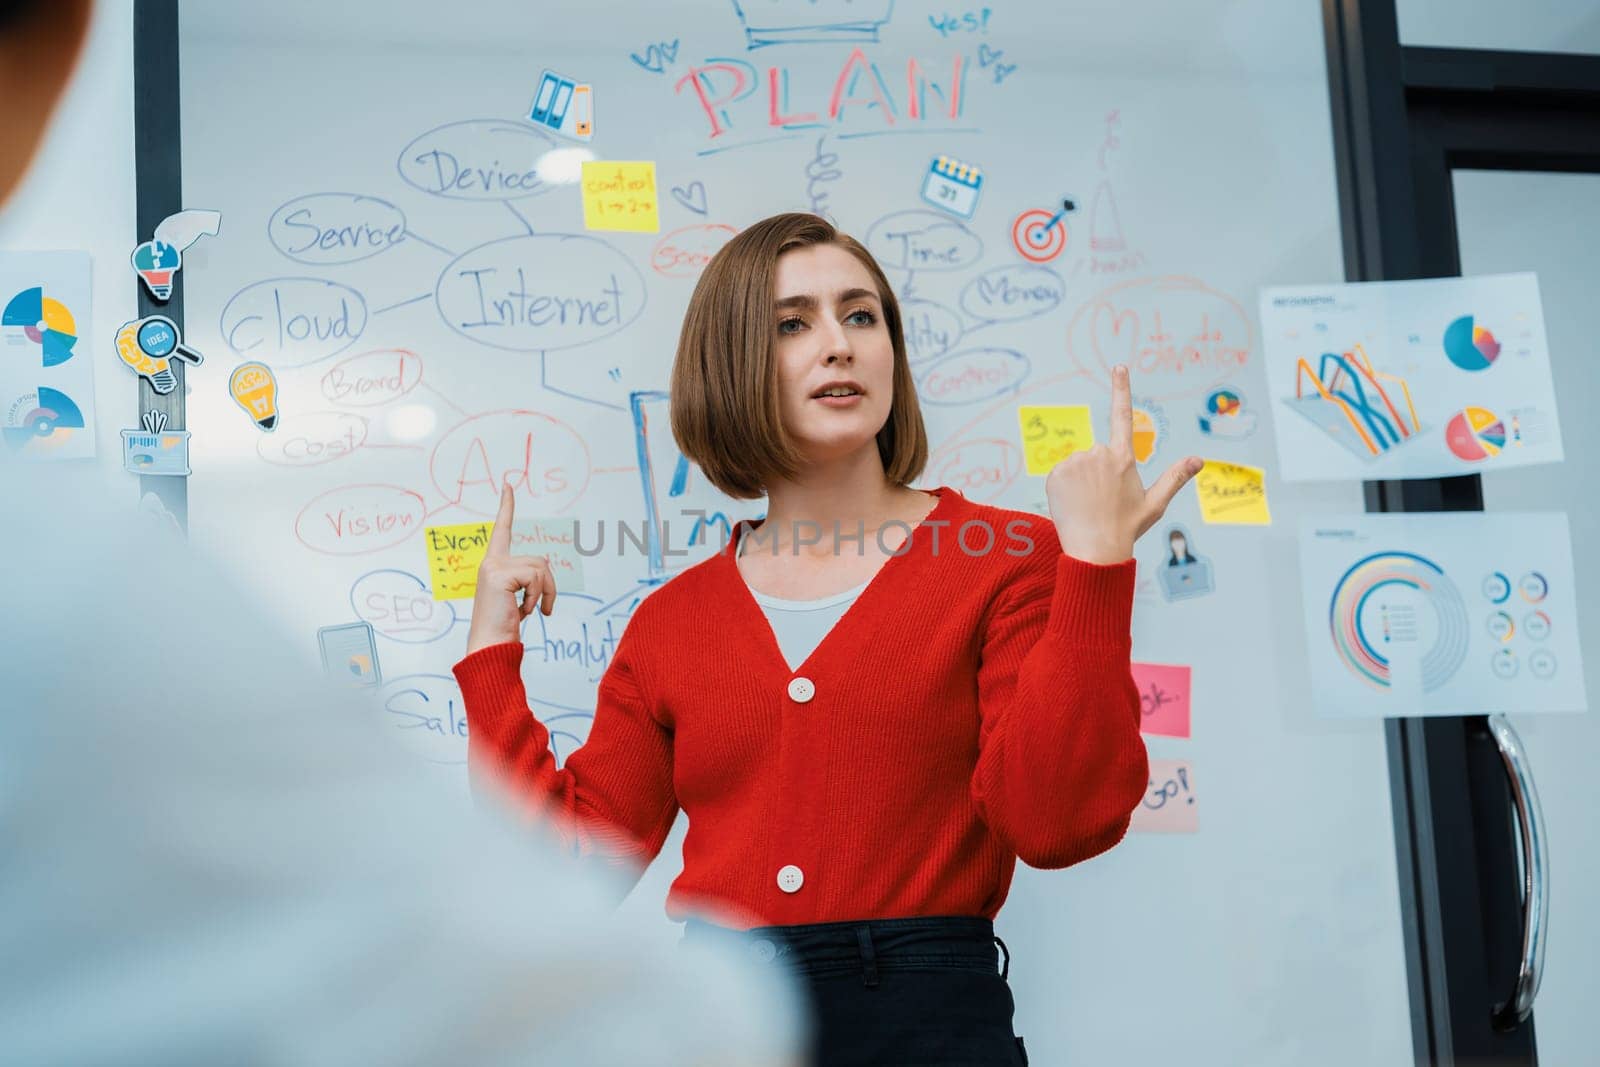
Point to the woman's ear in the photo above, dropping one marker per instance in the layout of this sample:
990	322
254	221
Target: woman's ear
40	42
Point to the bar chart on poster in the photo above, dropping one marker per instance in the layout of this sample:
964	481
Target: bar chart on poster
460	252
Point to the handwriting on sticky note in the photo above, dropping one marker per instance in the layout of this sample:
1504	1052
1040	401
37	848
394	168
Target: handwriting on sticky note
1169	805
1163	698
620	196
1230	493
1050	433
456	552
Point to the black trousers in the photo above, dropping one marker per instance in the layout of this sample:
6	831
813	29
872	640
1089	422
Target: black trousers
924	991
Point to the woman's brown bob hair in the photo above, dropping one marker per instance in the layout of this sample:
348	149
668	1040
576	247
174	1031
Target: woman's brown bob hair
725	409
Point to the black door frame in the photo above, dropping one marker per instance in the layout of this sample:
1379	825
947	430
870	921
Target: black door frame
1404	118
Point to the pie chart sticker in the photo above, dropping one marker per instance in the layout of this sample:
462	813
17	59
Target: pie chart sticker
1475	434
1470	346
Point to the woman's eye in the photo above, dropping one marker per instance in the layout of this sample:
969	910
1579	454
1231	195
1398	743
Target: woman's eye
862	317
790	326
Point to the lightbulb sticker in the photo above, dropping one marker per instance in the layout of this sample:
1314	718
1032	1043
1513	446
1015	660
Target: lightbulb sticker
255	389
149	345
158	259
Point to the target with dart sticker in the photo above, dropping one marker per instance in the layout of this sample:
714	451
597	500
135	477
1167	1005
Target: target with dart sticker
1040	234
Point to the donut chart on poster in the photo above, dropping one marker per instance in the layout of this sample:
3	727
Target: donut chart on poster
1475	434
42	421
1470	346
1363	627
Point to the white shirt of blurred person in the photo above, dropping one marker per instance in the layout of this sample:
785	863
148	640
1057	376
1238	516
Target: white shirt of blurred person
210	856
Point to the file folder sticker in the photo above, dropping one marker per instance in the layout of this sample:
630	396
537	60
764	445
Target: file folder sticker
564	105
952	186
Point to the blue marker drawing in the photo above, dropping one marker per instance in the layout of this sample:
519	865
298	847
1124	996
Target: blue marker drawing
812	21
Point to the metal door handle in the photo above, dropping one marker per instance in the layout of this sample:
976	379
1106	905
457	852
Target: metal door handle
1535	874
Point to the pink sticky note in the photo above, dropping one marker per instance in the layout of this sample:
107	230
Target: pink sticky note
1163	698
1169	804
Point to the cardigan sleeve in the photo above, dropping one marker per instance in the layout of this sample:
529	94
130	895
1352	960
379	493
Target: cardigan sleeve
614	799
1061	765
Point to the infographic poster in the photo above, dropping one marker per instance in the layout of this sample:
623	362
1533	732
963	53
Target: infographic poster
46	376
1464	613
1413	379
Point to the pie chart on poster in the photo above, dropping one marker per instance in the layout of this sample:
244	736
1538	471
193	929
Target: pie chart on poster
47	425
1470	346
1475	434
46	322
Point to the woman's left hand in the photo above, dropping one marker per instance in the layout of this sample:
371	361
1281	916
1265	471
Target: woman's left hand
1099	505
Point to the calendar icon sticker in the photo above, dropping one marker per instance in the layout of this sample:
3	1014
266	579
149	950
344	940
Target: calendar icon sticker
952	186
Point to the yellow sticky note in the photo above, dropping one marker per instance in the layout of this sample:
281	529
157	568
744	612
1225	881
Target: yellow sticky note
620	196
454	553
1230	493
1052	432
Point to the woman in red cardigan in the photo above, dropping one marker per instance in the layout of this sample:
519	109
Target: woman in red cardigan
871	703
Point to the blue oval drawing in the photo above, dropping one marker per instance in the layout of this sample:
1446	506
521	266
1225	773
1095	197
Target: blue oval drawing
400	607
931	329
476	159
539	292
428	711
923	240
1015	291
292	322
972	375
323	228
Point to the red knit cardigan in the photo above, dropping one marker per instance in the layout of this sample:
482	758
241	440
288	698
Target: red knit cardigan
973	706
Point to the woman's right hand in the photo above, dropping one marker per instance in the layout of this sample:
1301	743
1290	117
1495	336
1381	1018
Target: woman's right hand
496	615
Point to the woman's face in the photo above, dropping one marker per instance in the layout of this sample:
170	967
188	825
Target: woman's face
828	327
1179	546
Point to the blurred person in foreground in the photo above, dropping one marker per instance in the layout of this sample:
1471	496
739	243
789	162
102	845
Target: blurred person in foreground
209	856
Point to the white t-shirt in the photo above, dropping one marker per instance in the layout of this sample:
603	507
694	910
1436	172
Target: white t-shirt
800	625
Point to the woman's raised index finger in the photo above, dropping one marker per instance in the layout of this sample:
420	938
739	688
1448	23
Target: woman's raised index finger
500	536
1121	409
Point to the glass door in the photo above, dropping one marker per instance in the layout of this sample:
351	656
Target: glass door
1508	220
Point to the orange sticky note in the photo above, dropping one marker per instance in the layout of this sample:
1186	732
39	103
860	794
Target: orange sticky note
1052	432
1169	804
620	196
